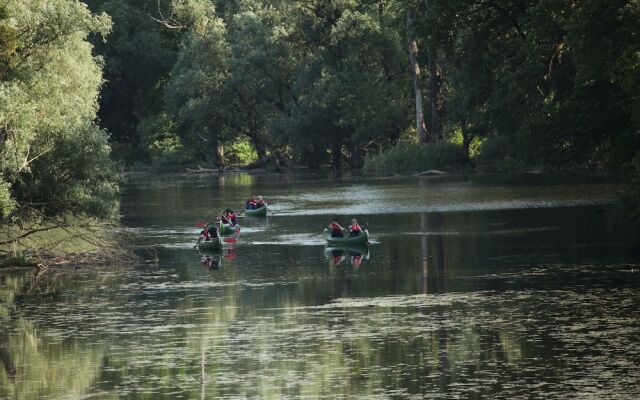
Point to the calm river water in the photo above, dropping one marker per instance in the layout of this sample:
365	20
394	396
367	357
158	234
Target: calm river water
482	287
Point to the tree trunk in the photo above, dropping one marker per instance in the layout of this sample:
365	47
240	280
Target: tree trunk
336	157
436	97
261	150
3	137
259	139
218	157
260	145
277	160
467	138
311	158
415	74
355	160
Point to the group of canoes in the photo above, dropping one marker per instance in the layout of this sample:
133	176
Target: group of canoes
227	224
255	206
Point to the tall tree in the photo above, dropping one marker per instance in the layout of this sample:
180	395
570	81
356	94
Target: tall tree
195	92
421	128
54	160
138	57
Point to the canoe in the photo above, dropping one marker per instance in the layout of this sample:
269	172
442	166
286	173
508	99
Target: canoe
257	212
226	229
347	240
210	245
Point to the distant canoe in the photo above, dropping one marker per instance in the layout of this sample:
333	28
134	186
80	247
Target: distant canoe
256	212
347	240
210	245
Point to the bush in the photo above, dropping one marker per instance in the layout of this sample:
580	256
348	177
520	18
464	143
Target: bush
496	153
167	151
7	204
77	176
241	151
408	157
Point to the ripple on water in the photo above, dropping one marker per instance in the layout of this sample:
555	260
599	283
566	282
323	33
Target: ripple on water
302	239
568	341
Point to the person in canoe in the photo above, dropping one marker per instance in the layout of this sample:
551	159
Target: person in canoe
207	232
336	229
250	204
213	231
228	217
354	228
259	202
233	217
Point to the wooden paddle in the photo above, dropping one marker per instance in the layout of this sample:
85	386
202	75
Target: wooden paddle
199	224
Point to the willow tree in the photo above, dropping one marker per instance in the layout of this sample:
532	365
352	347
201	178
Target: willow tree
348	83
195	91
54	160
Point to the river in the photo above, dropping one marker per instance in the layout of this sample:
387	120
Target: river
472	287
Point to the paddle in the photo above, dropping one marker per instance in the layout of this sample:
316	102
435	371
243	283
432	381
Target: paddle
199	224
198	242
218	236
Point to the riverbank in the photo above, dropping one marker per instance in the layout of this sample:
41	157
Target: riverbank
78	244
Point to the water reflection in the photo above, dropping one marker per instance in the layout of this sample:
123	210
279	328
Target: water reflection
434	253
339	254
482	304
210	262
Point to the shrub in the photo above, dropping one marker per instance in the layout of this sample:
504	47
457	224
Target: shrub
496	153
17	260
408	157
241	151
167	151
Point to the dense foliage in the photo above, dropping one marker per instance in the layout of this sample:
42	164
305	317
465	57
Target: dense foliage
520	84
54	159
549	84
410	157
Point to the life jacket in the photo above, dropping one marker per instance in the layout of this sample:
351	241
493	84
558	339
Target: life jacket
335	227
356	228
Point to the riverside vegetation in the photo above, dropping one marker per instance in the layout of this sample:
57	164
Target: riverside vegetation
388	85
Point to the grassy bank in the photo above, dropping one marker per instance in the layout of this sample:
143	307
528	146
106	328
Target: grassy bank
78	243
411	158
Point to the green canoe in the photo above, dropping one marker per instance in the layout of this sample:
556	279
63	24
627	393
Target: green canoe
226	229
347	240
256	212
210	245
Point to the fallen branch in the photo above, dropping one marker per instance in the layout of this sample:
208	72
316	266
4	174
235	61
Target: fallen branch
431	172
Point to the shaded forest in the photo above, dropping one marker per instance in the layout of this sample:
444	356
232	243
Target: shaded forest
388	85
